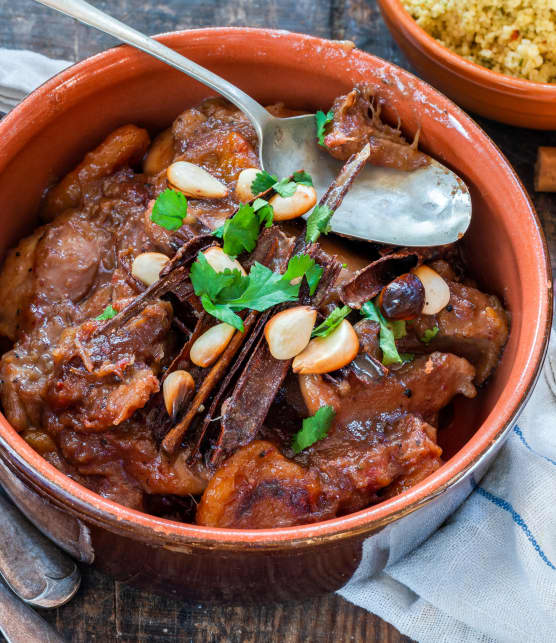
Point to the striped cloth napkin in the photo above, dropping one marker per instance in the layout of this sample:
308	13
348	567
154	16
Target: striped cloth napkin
489	573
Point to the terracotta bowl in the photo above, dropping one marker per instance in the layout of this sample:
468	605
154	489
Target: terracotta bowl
497	96
52	129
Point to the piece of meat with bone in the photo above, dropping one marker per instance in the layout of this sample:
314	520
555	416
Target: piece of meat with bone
357	121
259	488
473	325
100	381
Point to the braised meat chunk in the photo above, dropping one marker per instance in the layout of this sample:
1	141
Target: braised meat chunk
357	121
183	343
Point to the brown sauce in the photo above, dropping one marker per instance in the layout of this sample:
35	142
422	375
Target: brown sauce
91	403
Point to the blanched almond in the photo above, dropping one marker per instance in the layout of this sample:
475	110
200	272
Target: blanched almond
211	344
219	260
147	266
160	154
289	331
301	201
176	390
437	291
243	186
326	354
195	181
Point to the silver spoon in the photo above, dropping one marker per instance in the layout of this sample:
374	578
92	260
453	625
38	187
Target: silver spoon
427	207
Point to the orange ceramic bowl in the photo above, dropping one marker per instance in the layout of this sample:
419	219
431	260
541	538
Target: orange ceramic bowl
497	96
50	131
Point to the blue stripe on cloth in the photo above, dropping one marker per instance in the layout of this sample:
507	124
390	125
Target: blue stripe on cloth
504	504
520	435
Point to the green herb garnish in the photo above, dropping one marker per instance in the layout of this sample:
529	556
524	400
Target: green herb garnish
284	187
386	337
430	334
262	182
107	313
264	211
314	428
318	223
407	357
241	231
331	322
322	121
303	265
223	294
170	209
303	178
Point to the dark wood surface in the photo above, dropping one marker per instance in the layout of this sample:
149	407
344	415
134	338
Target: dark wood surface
105	610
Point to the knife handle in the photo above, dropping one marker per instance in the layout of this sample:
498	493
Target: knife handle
32	566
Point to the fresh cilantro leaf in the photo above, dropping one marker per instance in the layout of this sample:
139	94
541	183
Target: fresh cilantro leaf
169	209
331	322
313	275
303	265
264	211
241	231
314	428
222	312
318	222
303	178
107	313
225	293
285	188
264	290
386	338
206	281
398	327
262	182
430	334
407	357
323	120
219	232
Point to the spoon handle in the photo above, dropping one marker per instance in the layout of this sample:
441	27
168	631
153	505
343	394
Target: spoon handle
34	568
84	12
21	624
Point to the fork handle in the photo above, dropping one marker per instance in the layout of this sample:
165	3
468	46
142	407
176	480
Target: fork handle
21	624
86	13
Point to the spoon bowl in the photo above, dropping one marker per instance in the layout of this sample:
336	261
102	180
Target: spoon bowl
426	207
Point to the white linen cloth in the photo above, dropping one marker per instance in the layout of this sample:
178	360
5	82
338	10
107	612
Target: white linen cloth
23	71
489	573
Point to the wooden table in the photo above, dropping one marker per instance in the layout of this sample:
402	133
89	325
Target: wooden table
105	610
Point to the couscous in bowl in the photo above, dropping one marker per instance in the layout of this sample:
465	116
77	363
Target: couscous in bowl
501	97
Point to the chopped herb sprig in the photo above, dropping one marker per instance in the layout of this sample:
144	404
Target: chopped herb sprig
389	332
331	322
224	294
313	429
322	121
170	209
107	313
284	187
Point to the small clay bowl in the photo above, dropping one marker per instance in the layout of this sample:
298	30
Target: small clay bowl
502	98
52	129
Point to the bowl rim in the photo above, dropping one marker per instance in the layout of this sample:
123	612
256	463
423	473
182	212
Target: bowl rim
86	504
495	79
